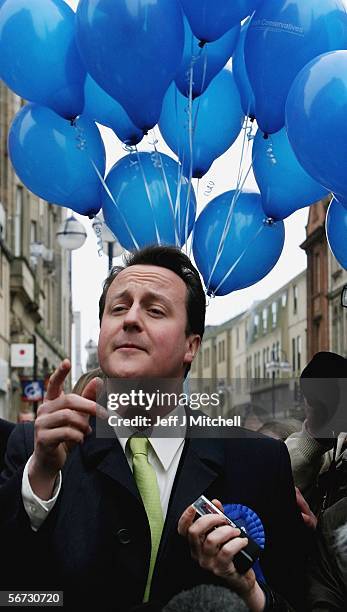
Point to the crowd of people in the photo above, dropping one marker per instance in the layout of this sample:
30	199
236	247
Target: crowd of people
108	519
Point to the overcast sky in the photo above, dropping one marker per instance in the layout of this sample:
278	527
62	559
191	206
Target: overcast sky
89	270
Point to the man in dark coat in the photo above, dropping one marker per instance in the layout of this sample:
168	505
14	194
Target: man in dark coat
75	503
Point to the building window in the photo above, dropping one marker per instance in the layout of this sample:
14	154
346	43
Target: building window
18	222
274	314
221	351
249	367
299	349
257	365
207	358
264	317
238	379
277	351
295	299
256	324
264	363
33	232
284	299
293	355
317	273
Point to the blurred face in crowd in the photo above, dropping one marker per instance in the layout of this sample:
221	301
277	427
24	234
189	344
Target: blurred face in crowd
143	328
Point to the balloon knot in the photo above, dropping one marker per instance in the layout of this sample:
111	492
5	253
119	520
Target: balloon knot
269	221
266	136
251	118
202	43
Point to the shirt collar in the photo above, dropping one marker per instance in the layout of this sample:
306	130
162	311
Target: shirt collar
164	448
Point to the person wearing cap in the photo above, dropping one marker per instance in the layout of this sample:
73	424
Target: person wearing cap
320	446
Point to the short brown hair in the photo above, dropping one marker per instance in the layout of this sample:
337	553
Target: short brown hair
173	259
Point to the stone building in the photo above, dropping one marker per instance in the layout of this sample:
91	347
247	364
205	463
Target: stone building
326	318
253	360
35	296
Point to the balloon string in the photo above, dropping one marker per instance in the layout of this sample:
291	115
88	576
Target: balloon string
227	224
226	276
190	137
194	224
97	227
179	172
149	197
230	212
101	178
168	192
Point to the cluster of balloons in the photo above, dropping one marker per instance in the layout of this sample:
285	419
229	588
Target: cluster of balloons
166	62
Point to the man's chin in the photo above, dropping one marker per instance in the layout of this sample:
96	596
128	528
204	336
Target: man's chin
115	370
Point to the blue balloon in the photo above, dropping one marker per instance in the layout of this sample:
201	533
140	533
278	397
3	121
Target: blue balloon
39	57
241	76
282	37
147	206
204	63
283	183
55	159
251	246
316	120
336	230
210	19
216	121
132	50
100	107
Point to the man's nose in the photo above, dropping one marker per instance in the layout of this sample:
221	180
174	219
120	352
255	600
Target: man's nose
133	318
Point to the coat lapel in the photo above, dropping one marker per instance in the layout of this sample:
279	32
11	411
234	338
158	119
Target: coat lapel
201	464
107	456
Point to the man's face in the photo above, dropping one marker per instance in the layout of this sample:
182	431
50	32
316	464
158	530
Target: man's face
143	327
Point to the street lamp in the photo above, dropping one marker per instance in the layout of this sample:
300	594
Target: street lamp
71	234
344	297
272	367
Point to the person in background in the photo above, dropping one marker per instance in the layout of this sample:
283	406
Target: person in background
280	430
317	452
6	428
328	566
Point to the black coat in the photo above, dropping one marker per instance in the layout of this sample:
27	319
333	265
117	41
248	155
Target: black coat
328	568
5	429
95	544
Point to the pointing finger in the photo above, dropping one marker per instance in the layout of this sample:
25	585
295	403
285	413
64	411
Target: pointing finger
57	379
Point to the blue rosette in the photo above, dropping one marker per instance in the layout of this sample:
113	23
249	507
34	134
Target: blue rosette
247	518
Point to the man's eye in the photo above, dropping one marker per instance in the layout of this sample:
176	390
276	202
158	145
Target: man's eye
156	311
117	309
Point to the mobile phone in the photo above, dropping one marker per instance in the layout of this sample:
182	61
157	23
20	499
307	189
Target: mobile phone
247	556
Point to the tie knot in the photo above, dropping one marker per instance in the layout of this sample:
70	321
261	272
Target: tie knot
139	446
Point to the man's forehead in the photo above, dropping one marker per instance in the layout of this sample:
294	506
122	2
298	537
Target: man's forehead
143	276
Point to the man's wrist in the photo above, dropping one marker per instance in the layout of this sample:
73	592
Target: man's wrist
41	480
255	600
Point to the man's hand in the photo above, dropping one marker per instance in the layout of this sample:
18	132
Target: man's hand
214	550
62	422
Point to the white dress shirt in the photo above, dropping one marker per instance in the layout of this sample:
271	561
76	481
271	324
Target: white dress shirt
164	455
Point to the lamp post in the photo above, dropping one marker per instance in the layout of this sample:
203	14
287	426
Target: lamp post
272	367
71	235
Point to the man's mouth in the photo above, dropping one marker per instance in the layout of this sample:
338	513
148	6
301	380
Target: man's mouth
130	346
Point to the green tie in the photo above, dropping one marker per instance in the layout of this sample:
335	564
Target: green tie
147	485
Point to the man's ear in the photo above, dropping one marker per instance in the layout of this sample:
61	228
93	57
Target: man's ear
193	342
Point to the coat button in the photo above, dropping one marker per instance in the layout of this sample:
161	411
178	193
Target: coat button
123	536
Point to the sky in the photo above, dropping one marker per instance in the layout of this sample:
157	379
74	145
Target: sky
89	270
